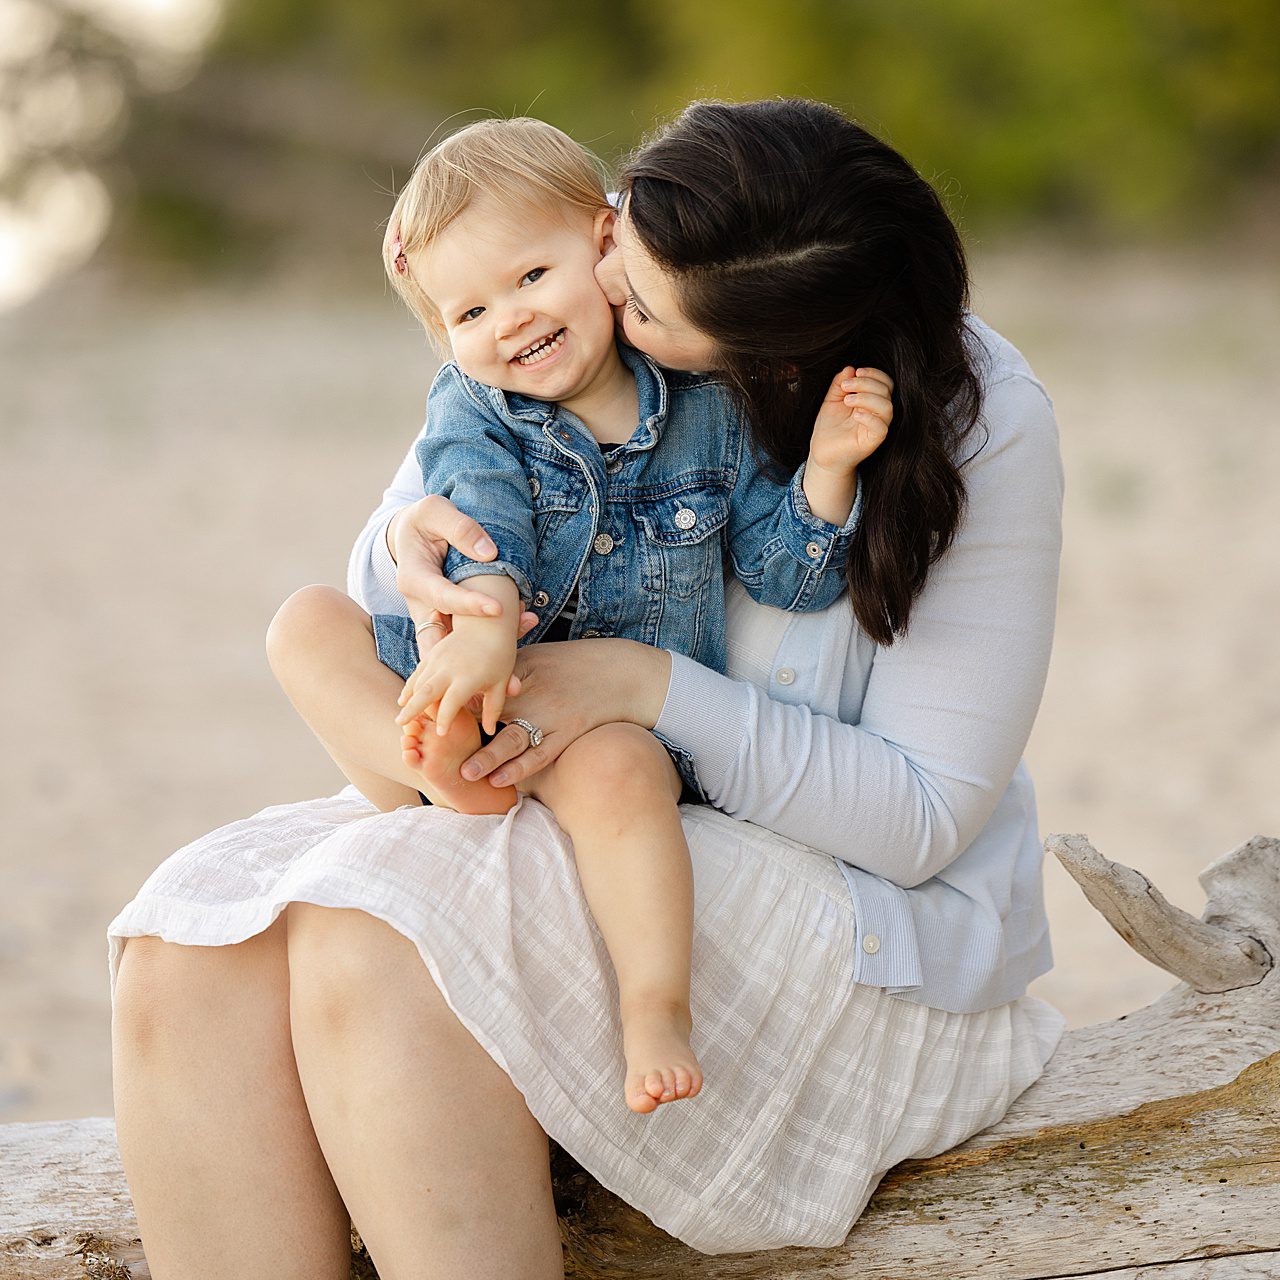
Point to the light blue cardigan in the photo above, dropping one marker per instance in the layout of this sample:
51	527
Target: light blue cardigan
903	763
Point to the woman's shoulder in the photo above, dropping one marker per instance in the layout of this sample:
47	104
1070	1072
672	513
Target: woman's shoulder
1016	408
997	360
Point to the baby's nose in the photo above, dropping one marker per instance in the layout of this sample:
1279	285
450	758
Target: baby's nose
510	321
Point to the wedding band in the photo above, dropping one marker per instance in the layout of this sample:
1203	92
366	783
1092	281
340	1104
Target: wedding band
535	734
427	625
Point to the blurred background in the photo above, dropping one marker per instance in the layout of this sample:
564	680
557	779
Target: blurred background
205	385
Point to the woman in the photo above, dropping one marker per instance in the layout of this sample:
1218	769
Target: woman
867	891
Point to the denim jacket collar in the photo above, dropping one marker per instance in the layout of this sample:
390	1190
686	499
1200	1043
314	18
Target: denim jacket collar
651	392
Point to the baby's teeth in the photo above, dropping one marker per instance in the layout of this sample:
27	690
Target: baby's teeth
542	350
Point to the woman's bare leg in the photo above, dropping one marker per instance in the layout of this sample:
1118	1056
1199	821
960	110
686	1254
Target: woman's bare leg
445	1171
616	792
225	1171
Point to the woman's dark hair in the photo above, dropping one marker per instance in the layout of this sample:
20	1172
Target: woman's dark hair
800	244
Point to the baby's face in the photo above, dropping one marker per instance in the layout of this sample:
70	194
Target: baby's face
517	293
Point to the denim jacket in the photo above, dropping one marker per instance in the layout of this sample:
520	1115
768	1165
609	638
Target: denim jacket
641	527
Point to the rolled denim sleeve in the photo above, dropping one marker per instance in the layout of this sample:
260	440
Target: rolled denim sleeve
780	551
470	456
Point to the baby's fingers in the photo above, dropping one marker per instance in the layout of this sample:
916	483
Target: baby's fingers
494	700
870	380
454	700
836	391
424	693
868	402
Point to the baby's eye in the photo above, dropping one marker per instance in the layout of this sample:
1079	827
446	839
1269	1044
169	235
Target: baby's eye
530	277
634	308
470	315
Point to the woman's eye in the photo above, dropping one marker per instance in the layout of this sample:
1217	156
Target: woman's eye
634	309
536	274
470	315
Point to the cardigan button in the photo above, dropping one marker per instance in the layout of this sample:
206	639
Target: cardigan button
786	675
871	944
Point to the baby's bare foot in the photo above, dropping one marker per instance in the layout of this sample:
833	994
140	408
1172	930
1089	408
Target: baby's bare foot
437	760
660	1065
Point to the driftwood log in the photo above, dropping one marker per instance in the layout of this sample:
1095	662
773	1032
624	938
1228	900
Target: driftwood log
1149	1149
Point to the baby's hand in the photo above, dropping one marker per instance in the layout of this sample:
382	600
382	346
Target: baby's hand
853	420
459	667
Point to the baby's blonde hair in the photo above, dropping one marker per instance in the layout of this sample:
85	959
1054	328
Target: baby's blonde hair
519	162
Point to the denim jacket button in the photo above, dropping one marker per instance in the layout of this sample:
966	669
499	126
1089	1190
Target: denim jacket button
814	551
686	519
613	466
592	635
535	486
541	600
603	544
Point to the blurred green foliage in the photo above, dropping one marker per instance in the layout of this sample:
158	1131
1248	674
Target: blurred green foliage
1124	116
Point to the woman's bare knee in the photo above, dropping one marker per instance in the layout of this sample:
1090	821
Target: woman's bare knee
342	961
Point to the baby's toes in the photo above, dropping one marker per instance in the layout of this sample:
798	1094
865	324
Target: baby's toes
658	1084
638	1096
683	1082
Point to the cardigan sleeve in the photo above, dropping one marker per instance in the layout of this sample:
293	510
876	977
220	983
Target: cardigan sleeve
947	709
371	572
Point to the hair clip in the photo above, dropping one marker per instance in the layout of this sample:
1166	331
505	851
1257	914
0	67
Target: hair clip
401	262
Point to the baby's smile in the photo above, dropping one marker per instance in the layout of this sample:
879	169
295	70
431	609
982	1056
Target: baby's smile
542	349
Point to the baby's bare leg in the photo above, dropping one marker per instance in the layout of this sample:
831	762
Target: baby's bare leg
615	792
320	646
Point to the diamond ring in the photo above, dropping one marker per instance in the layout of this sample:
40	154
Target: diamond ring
535	734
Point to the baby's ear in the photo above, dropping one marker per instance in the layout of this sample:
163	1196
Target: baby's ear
602	230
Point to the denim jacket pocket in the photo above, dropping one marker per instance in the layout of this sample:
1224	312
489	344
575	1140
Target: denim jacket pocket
683	538
558	495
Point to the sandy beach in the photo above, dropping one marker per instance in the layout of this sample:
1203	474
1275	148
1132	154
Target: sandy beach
174	464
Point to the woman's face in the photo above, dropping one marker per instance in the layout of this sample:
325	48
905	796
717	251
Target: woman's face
643	296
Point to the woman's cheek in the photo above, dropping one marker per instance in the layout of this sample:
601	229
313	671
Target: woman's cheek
635	334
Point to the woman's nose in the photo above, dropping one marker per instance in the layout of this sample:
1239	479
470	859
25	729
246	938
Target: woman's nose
610	278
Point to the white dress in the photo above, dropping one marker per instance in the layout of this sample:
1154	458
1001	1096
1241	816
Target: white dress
815	1085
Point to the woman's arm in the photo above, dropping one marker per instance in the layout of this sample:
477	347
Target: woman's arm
947	709
371	570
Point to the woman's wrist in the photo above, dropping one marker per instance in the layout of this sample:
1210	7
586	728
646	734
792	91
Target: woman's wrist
645	674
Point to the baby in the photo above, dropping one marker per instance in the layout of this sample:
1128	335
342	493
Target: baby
614	492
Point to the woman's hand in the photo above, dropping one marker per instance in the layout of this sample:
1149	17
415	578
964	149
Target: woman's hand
418	537
566	689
